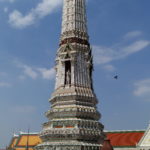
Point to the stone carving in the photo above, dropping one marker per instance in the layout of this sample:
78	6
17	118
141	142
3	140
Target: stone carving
68	77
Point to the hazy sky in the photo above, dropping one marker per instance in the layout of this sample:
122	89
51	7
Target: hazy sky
29	36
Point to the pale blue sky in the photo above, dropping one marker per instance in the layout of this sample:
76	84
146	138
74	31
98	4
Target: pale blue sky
29	37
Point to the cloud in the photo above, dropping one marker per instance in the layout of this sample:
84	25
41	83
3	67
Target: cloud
142	89
132	34
44	8
47	73
17	20
5	84
35	72
134	47
6	9
104	55
28	71
3	74
109	67
22	77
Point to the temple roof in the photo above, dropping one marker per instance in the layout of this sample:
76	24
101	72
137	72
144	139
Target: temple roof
124	138
32	140
24	140
13	141
117	139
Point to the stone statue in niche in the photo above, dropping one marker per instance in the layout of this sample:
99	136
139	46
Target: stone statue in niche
67	73
68	77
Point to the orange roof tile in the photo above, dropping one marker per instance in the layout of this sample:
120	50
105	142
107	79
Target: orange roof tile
32	140
13	142
24	149
125	139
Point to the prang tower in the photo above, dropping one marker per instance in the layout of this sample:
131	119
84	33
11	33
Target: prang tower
73	118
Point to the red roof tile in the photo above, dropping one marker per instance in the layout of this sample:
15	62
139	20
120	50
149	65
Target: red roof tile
124	139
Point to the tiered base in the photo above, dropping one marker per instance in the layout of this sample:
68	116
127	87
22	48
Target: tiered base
70	145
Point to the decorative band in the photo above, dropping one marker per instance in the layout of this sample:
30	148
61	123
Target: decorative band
74	40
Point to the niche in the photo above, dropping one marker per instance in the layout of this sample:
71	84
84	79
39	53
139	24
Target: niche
67	73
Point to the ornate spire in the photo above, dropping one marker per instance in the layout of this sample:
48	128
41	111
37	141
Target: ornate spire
74	24
74	19
74	52
73	118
